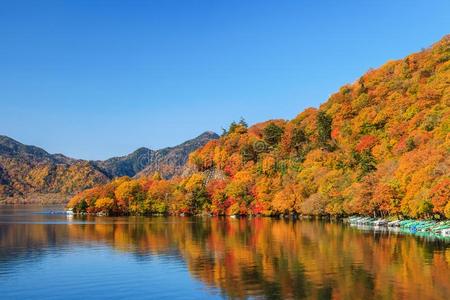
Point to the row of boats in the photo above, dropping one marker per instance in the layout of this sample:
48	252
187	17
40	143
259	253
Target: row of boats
441	228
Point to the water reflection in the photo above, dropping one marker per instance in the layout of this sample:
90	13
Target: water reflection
252	257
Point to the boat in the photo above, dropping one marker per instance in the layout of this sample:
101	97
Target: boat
445	232
441	229
425	228
395	223
380	222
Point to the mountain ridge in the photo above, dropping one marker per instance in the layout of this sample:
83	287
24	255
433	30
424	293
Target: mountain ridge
30	170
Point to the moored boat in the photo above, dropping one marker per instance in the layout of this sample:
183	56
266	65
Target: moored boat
446	232
380	222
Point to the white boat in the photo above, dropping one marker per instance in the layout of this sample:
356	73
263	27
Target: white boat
445	232
69	211
395	223
380	222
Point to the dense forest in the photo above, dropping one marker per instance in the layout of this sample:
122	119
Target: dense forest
378	146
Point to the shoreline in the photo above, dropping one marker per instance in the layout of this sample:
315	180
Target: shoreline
37	199
280	216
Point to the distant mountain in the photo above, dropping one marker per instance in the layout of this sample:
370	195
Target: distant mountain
142	162
12	148
128	165
170	161
29	170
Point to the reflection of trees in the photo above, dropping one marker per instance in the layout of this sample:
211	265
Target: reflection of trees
273	258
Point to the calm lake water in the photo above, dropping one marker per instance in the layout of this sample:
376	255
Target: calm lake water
46	256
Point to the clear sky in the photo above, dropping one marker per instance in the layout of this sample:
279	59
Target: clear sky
94	79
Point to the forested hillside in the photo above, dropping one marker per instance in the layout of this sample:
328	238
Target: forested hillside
29	173
29	170
380	145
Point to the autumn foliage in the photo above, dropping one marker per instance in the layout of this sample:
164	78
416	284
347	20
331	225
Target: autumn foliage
379	146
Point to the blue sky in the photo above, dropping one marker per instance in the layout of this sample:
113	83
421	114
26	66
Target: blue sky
94	79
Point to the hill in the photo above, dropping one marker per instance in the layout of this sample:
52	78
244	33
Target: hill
378	146
31	172
170	162
143	162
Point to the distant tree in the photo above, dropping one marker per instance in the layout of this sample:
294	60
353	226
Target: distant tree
240	127
298	139
243	123
104	204
248	153
232	127
365	161
362	86
199	200
156	176
366	143
324	128
82	206
410	144
129	193
224	132
272	134
196	197
440	196
447	211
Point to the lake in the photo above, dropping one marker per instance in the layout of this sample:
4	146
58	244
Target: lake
53	256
